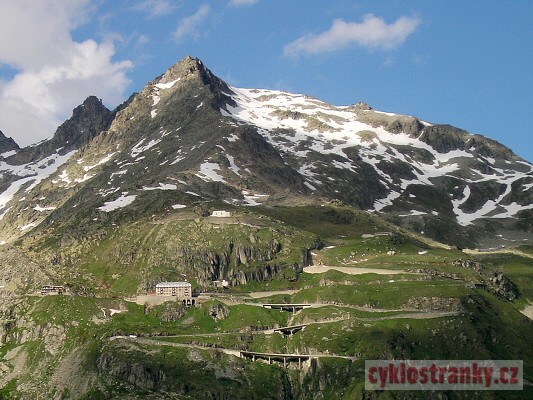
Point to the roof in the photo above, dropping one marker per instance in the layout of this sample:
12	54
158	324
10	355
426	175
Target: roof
173	284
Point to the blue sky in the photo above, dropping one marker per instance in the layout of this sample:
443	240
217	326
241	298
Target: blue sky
468	64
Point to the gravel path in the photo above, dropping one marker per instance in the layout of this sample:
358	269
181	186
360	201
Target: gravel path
320	269
258	295
528	312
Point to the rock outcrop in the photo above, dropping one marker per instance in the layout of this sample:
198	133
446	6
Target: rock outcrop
502	286
7	144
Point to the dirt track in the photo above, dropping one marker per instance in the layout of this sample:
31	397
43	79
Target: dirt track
319	269
528	312
258	295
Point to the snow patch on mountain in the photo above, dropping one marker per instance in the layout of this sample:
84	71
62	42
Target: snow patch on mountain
491	208
413	213
232	166
106	158
251	199
41	209
511	210
387	201
307	170
309	186
155	99
84	178
31	174
162	186
156	94
4	213
297	125
122	201
177	159
167	85
121	172
208	172
28	226
8	153
140	148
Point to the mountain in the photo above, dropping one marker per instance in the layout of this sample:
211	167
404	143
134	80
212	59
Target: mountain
23	170
420	175
7	145
188	138
362	214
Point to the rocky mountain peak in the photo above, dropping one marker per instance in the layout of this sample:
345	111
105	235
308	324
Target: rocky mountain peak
91	105
87	121
191	69
7	144
188	138
187	68
361	105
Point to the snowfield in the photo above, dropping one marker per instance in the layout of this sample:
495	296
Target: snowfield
315	126
123	201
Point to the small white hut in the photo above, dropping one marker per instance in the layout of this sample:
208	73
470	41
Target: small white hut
221	214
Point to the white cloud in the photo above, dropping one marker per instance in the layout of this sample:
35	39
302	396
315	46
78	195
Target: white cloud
54	73
156	8
373	32
188	26
238	3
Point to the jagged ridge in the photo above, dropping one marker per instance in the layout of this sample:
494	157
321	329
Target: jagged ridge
188	138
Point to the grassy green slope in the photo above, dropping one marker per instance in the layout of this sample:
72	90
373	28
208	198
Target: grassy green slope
369	316
133	257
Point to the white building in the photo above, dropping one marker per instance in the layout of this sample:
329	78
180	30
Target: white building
221	214
221	284
180	290
49	289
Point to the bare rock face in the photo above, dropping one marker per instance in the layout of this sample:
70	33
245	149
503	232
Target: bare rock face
501	285
189	132
434	304
88	120
361	105
135	373
473	265
497	282
7	144
19	274
172	311
219	311
247	254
